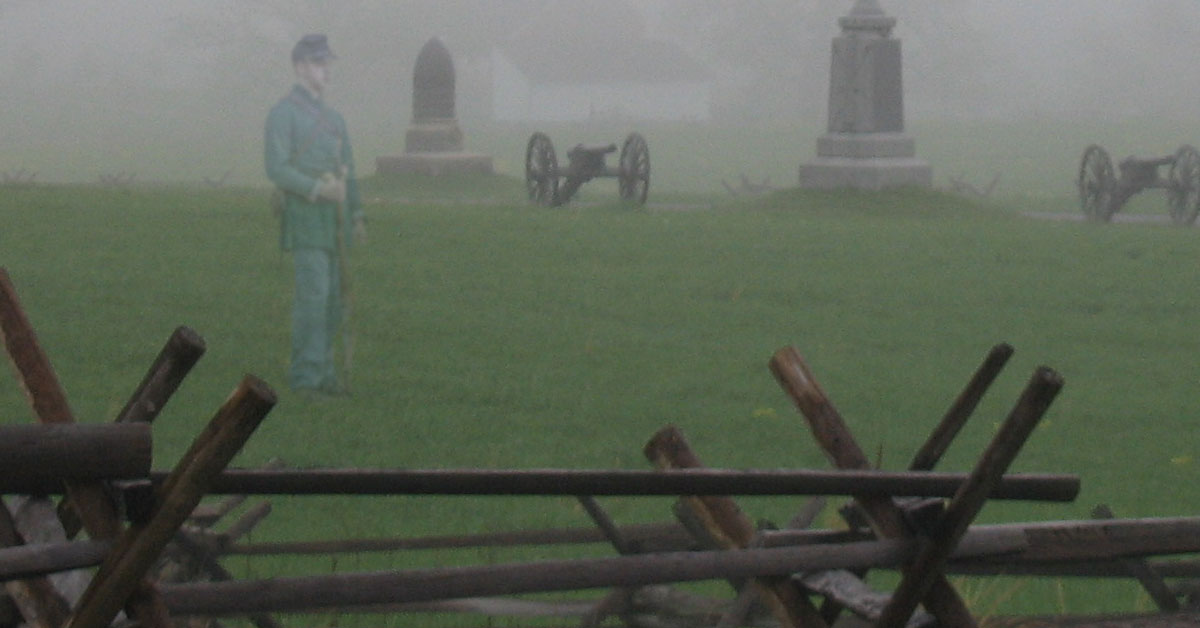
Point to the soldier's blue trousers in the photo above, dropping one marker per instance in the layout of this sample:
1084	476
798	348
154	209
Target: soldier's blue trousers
316	316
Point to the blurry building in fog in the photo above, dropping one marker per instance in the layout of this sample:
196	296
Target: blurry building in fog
572	65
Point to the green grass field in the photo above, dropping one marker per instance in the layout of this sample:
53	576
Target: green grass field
492	333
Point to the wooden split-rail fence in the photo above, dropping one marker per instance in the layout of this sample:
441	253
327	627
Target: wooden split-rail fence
156	554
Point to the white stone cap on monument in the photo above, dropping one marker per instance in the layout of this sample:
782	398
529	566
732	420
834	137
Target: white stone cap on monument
868	17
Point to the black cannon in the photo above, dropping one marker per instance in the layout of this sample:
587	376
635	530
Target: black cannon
584	163
1102	194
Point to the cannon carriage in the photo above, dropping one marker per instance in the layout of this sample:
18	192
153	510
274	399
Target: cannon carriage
584	163
1102	192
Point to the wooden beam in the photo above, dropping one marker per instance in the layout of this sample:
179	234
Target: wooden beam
618	600
1023	486
938	442
31	454
207	563
964	405
1057	548
1056	542
657	537
23	561
1055	487
1144	573
97	513
849	591
358	589
33	368
208	514
611	531
183	489
731	529
927	570
35	597
245	523
176	359
838	443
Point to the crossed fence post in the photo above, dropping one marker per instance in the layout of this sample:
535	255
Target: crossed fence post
121	581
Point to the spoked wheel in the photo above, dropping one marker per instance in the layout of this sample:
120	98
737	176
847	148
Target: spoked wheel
1096	182
541	170
1183	197
634	173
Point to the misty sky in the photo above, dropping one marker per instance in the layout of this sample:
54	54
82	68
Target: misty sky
101	71
1040	54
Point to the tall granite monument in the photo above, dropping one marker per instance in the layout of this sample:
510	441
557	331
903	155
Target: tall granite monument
433	144
865	146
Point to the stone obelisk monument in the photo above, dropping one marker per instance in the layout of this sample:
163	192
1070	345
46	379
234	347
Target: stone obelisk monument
865	146
433	144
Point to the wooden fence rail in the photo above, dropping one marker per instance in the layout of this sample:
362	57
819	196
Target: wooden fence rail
1022	486
51	452
394	587
1067	548
1052	487
24	561
647	537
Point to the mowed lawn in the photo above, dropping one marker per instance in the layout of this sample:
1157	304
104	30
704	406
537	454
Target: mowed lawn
496	334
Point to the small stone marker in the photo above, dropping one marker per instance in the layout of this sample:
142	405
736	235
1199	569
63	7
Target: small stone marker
433	144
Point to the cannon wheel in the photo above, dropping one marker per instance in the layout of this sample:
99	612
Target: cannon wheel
541	170
1183	196
634	173
1096	183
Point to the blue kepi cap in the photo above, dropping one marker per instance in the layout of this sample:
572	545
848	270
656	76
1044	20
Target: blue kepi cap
314	47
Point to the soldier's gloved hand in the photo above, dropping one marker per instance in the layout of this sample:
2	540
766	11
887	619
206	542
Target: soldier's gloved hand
360	230
331	189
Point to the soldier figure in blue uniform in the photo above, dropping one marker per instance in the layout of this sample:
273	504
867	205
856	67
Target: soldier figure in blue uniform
308	158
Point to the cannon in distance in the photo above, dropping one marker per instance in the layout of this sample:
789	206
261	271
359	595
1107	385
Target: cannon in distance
1102	193
585	162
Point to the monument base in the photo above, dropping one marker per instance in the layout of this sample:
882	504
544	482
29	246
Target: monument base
825	173
440	135
866	145
435	164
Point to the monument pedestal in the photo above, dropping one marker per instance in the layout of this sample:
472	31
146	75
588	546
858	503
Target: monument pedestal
870	161
433	144
877	173
865	146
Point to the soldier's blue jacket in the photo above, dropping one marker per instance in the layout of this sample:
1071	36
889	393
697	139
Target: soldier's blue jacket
306	139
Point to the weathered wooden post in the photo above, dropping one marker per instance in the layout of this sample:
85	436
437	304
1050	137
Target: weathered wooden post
33	454
49	401
422	585
137	549
835	439
618	600
180	353
36	598
731	529
936	444
928	568
22	561
956	416
176	359
1143	572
